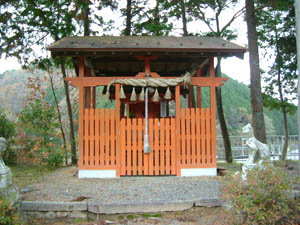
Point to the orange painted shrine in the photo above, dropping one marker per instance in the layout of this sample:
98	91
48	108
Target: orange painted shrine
182	128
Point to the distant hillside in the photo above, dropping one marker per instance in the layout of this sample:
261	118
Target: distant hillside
236	97
236	101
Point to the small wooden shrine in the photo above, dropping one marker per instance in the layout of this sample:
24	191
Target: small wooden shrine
148	132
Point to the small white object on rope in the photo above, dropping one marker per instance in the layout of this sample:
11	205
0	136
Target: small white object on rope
153	82
142	95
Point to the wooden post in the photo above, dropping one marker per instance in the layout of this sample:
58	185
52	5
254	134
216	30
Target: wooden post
94	97
118	133
213	112
88	89
198	90
177	152
190	96
81	114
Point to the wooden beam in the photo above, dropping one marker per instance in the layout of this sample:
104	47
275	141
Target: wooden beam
88	89
81	113
213	114
118	140
199	97
94	97
101	81
177	152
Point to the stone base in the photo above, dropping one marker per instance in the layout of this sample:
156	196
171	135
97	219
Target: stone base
194	172
97	174
5	178
10	193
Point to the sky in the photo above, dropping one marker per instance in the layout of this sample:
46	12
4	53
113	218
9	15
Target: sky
234	67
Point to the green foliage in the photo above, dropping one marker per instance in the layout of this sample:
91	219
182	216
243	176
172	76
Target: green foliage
153	21
8	214
273	103
54	159
7	127
37	122
263	198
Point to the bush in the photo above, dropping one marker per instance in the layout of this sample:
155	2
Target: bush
263	198
37	129
55	159
7	127
8	214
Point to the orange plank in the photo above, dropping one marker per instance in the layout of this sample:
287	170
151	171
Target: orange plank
151	143
94	97
81	128
134	147
107	134
208	136
193	139
88	97
92	136
174	137
178	133
168	145
199	100
140	146
86	137
188	136
203	134
102	136
118	131
156	146
129	147
198	137
162	146
97	139
213	127
183	137
122	147
113	137
81	114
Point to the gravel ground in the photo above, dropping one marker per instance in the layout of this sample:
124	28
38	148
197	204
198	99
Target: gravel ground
63	186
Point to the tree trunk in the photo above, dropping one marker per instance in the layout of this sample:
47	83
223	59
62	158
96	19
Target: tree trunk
255	79
183	17
283	108
226	139
70	113
59	118
286	135
128	18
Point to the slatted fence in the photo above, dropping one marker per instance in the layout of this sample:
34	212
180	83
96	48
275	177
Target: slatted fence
99	139
196	143
101	133
161	159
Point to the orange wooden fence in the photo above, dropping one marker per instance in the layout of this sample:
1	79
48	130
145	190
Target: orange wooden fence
160	160
197	146
197	149
99	139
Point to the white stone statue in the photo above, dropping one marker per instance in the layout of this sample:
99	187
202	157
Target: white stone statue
258	151
5	174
